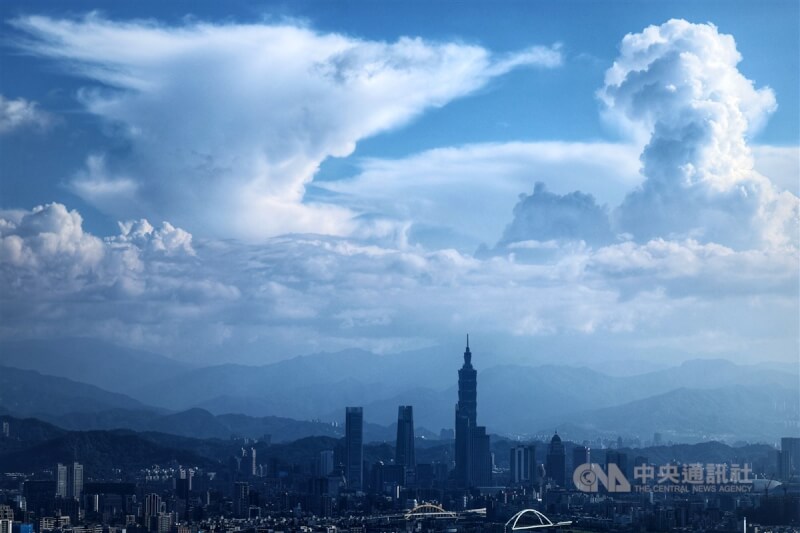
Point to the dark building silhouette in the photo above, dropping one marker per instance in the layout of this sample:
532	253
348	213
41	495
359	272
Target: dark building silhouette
790	458
404	451
152	507
40	496
354	448
557	461
241	499
473	455
618	458
386	478
523	464
580	455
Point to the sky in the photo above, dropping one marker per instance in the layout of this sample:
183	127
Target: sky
583	182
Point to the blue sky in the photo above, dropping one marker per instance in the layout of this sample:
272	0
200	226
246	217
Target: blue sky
245	182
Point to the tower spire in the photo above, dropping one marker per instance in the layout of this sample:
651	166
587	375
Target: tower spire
467	341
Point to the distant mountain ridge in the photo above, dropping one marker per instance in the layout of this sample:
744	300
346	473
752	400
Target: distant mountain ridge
197	423
318	387
25	392
91	361
730	413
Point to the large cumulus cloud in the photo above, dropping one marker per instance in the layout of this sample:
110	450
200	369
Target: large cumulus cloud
45	251
679	85
241	115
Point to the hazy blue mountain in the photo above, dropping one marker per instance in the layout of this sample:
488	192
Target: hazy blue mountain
540	395
516	399
99	451
712	373
92	361
197	423
25	432
305	386
729	413
25	392
433	409
318	387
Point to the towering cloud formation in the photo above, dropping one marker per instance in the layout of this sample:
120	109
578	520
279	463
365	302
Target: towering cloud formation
545	216
679	84
240	116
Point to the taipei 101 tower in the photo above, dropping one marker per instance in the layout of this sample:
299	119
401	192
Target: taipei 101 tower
473	456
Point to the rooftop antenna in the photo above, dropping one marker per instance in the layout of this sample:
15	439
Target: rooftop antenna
467	340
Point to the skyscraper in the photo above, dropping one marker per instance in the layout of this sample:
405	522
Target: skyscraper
580	455
404	452
61	481
557	461
790	458
618	458
326	464
152	506
354	448
75	481
523	464
241	499
473	455
69	481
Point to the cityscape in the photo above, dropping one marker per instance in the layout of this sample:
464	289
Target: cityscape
465	480
399	266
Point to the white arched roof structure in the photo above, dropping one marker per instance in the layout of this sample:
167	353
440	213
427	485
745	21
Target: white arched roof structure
424	510
538	520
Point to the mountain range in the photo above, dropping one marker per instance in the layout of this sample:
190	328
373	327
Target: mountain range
693	401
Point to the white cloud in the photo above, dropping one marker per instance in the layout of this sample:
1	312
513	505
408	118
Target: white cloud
469	191
679	85
168	239
228	123
46	251
48	237
19	113
240	116
156	288
544	216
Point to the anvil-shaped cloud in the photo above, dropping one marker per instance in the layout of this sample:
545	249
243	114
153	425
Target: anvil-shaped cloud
240	116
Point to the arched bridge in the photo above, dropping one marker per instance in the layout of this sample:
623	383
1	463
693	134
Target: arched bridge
428	510
531	519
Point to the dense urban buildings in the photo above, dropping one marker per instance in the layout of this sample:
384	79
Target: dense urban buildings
473	482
